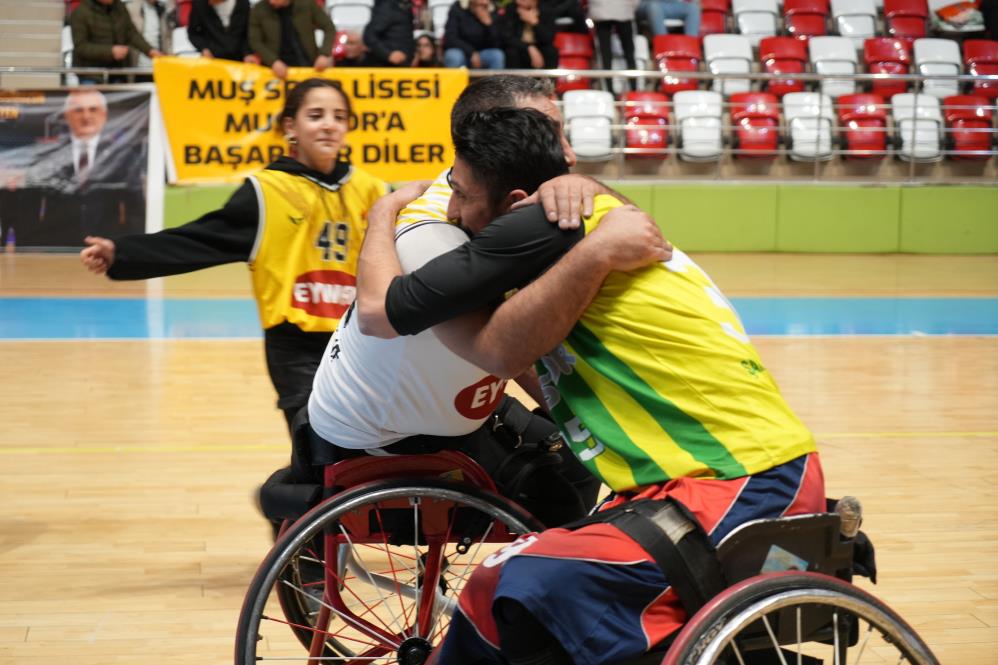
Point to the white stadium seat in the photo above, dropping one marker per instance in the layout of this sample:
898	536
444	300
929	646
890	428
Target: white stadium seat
728	54
589	117
810	118
352	15
439	10
182	44
918	125
642	59
698	115
855	19
755	18
938	56
834	55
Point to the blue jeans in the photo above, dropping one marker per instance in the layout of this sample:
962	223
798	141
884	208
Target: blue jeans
492	58
656	11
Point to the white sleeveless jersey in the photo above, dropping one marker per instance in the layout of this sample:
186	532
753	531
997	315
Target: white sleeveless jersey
370	392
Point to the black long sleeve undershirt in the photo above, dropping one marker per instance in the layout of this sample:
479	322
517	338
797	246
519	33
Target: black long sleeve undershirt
507	254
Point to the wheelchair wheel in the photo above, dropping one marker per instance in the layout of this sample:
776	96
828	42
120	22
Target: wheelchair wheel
372	575
795	617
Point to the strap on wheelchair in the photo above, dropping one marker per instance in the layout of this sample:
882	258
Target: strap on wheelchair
676	542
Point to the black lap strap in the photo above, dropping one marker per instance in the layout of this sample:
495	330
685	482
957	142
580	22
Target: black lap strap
675	541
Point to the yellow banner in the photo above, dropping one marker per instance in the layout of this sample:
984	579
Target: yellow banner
220	117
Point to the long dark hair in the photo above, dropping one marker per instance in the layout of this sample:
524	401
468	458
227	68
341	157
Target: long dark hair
296	96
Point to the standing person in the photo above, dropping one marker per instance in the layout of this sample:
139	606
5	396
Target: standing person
655	386
298	224
473	37
656	11
282	33
104	36
615	16
220	29
150	18
529	37
388	35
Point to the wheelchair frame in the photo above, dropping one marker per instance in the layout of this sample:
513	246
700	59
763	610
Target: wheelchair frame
440	515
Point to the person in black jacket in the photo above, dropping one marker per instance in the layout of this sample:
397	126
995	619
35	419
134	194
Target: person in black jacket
220	29
473	38
388	36
529	37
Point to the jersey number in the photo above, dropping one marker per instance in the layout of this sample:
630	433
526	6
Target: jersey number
336	245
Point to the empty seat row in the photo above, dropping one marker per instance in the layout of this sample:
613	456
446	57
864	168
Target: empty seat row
732	54
810	120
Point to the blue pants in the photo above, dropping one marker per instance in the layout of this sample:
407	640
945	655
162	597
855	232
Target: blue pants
492	58
656	11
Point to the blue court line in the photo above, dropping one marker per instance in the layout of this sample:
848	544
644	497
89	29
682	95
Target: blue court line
137	318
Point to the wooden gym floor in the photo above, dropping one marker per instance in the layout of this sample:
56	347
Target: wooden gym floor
128	532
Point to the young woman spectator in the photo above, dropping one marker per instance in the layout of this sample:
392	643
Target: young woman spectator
298	223
473	37
529	37
615	16
426	52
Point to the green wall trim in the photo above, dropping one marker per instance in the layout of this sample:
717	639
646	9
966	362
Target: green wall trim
945	219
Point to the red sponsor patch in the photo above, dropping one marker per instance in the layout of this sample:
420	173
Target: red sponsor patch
325	293
480	399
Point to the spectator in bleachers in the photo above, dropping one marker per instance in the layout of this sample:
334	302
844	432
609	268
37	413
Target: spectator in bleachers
473	36
219	29
529	36
426	52
656	11
989	10
282	34
567	15
104	36
149	16
350	50
388	36
610	16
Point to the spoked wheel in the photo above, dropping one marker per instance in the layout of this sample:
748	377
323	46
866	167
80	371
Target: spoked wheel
373	574
797	618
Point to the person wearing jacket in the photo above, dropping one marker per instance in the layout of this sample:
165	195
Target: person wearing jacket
220	29
104	36
529	37
473	38
282	33
388	36
298	223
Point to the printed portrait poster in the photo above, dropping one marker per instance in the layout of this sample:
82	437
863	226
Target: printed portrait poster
73	163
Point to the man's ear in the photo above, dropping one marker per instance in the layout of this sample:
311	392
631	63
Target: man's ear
513	197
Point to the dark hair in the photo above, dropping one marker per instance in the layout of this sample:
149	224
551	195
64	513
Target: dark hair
510	148
489	92
295	96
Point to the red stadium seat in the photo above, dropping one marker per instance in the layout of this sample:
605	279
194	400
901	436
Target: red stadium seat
184	12
806	18
757	124
905	19
647	117
714	16
572	81
981	58
886	55
783	55
864	121
573	45
969	122
677	53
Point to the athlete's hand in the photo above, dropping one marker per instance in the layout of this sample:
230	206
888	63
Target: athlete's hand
99	255
565	198
387	208
628	238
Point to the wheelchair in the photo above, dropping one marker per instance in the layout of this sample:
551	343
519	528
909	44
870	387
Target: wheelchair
373	573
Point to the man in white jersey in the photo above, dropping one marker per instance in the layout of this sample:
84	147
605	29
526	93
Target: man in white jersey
384	396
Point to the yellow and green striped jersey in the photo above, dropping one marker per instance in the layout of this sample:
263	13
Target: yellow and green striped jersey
658	380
